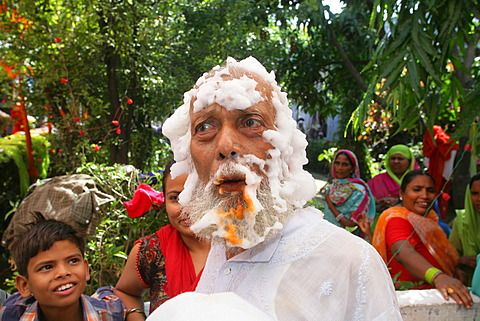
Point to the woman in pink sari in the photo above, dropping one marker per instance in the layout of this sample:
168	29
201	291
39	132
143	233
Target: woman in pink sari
385	187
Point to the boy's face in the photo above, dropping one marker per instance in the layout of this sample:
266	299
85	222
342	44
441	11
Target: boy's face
56	277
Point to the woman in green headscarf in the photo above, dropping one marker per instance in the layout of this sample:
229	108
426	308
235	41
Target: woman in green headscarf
385	187
465	235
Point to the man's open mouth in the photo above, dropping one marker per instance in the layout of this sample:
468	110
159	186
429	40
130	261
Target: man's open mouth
231	184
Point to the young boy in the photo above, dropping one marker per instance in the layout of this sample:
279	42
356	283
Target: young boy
52	277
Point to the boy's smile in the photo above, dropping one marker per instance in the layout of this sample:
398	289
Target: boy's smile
56	278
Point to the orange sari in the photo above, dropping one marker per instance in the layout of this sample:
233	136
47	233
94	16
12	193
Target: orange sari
427	228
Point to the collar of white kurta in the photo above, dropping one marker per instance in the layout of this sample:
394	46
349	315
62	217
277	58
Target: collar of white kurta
294	228
263	252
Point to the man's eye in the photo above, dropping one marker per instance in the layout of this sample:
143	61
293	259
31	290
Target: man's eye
252	123
203	127
45	268
75	260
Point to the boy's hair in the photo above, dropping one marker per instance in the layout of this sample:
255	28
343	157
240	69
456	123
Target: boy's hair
40	236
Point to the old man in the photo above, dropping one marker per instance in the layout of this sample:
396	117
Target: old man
246	190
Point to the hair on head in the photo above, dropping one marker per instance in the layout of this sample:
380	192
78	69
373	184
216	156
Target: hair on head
347	156
166	173
40	236
474	178
411	175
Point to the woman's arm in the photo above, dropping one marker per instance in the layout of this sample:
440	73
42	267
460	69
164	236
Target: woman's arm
344	220
130	289
417	266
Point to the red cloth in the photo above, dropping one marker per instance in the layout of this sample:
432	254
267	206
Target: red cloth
399	229
439	150
179	267
143	199
18	115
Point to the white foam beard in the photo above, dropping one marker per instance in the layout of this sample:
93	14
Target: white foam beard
242	220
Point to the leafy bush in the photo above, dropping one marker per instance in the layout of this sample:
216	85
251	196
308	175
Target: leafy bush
316	147
107	250
116	233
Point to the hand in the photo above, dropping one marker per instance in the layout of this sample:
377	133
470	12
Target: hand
364	225
452	287
460	274
470	261
387	202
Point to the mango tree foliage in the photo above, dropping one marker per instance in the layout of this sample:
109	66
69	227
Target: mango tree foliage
426	64
104	71
324	55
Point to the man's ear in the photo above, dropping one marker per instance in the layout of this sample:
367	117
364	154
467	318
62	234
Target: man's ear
21	283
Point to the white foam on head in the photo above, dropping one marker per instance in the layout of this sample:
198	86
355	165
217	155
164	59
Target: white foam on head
288	179
232	94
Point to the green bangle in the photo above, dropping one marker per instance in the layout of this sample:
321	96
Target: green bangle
431	273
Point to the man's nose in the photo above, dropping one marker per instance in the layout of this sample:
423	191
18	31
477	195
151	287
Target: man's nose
229	142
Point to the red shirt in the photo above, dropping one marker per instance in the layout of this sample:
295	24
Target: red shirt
399	229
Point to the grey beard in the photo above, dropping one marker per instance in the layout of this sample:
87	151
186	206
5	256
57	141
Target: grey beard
247	228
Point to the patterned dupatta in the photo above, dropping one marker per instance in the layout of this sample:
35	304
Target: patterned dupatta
342	189
427	228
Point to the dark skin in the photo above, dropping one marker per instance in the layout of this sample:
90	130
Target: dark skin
416	197
417	265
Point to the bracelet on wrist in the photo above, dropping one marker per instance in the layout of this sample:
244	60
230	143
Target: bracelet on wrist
135	310
339	217
431	274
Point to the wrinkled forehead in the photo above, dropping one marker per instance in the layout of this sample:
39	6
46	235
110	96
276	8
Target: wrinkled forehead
232	88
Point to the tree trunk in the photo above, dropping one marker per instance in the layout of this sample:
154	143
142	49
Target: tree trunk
118	151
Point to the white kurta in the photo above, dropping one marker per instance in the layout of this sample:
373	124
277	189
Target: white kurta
311	270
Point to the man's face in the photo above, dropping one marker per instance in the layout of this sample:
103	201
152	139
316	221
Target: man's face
236	139
219	135
229	152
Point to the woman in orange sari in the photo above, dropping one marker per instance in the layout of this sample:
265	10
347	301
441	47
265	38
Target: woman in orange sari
414	246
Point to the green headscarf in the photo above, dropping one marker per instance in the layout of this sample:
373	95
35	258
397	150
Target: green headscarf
402	150
465	235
